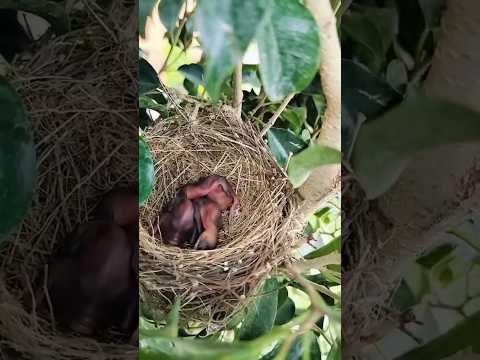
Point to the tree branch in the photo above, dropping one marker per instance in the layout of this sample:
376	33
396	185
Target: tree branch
277	113
238	95
324	182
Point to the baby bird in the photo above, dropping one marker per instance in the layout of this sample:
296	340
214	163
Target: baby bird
93	281
91	277
193	217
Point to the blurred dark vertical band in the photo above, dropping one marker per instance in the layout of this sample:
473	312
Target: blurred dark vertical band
411	184
68	276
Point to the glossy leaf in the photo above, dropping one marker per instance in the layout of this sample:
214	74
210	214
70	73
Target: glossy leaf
145	171
285	309
145	8
18	171
226	29
289	48
169	10
260	316
154	346
296	117
385	146
283	143
309	159
148	77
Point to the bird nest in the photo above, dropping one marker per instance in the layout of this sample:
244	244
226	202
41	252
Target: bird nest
214	284
365	230
80	93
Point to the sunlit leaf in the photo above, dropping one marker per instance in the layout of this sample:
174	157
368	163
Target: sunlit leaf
226	29
289	47
304	162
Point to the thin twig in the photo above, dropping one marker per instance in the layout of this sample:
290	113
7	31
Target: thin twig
238	95
277	113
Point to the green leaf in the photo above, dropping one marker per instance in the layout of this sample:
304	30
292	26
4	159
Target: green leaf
171	329
335	352
260	316
192	72
333	246
432	11
148	77
404	297
312	157
385	146
145	8
461	336
226	29
285	309
362	92
283	143
289	49
18	172
311	347
169	10
145	171
154	346
296	117
397	75
250	79
373	29
433	257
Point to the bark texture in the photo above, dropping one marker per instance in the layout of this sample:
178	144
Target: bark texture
324	182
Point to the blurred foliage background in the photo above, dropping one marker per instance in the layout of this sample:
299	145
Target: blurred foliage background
387	49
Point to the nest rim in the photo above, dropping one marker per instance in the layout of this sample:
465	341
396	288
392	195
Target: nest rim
230	147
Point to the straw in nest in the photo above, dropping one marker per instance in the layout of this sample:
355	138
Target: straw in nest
214	284
80	91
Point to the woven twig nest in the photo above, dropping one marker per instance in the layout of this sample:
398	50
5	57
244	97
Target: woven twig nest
80	92
364	232
213	284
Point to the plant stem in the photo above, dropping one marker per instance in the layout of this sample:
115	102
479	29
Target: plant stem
277	113
238	95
